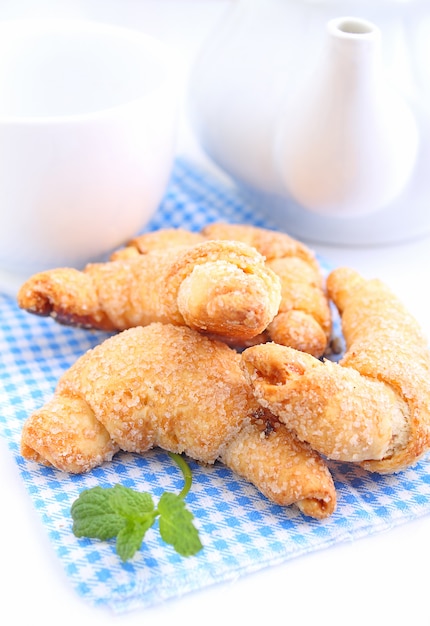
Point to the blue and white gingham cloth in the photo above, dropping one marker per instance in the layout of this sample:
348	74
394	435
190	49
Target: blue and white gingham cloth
241	530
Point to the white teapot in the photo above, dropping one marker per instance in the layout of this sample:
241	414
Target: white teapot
320	109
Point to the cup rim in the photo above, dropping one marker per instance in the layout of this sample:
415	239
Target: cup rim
160	49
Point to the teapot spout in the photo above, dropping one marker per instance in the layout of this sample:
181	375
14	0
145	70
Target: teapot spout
348	142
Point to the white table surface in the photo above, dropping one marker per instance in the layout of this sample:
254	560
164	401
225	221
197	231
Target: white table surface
382	579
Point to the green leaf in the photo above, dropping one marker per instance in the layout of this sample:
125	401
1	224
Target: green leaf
94	517
130	503
130	537
121	512
176	526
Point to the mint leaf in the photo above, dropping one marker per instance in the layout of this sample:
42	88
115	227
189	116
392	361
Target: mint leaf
139	512
130	503
130	537
93	515
121	512
176	526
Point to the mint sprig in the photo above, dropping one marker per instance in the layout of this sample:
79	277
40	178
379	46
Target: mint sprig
108	512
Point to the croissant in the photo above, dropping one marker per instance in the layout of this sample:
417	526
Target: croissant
172	387
373	407
157	240
304	318
223	288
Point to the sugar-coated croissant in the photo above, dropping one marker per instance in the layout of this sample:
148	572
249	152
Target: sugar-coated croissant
157	240
172	387
374	406
304	318
386	343
219	287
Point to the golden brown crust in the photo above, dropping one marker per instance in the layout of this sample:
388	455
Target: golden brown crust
300	330
66	434
374	406
385	343
338	412
67	295
158	240
271	244
304	318
172	387
145	384
227	290
286	470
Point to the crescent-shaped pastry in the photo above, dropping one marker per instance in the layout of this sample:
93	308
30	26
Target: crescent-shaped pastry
219	287
304	318
157	240
172	387
374	406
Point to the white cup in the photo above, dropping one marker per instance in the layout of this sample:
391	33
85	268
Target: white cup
88	121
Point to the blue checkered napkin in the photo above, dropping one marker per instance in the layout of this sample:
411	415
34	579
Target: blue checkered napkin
241	530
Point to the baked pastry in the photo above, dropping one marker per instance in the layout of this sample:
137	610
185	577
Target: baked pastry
220	287
386	343
374	406
168	386
304	317
157	240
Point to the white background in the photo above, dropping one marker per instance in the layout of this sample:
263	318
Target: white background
378	580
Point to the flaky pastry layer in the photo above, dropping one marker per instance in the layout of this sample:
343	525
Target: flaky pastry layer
304	319
374	406
220	287
172	387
